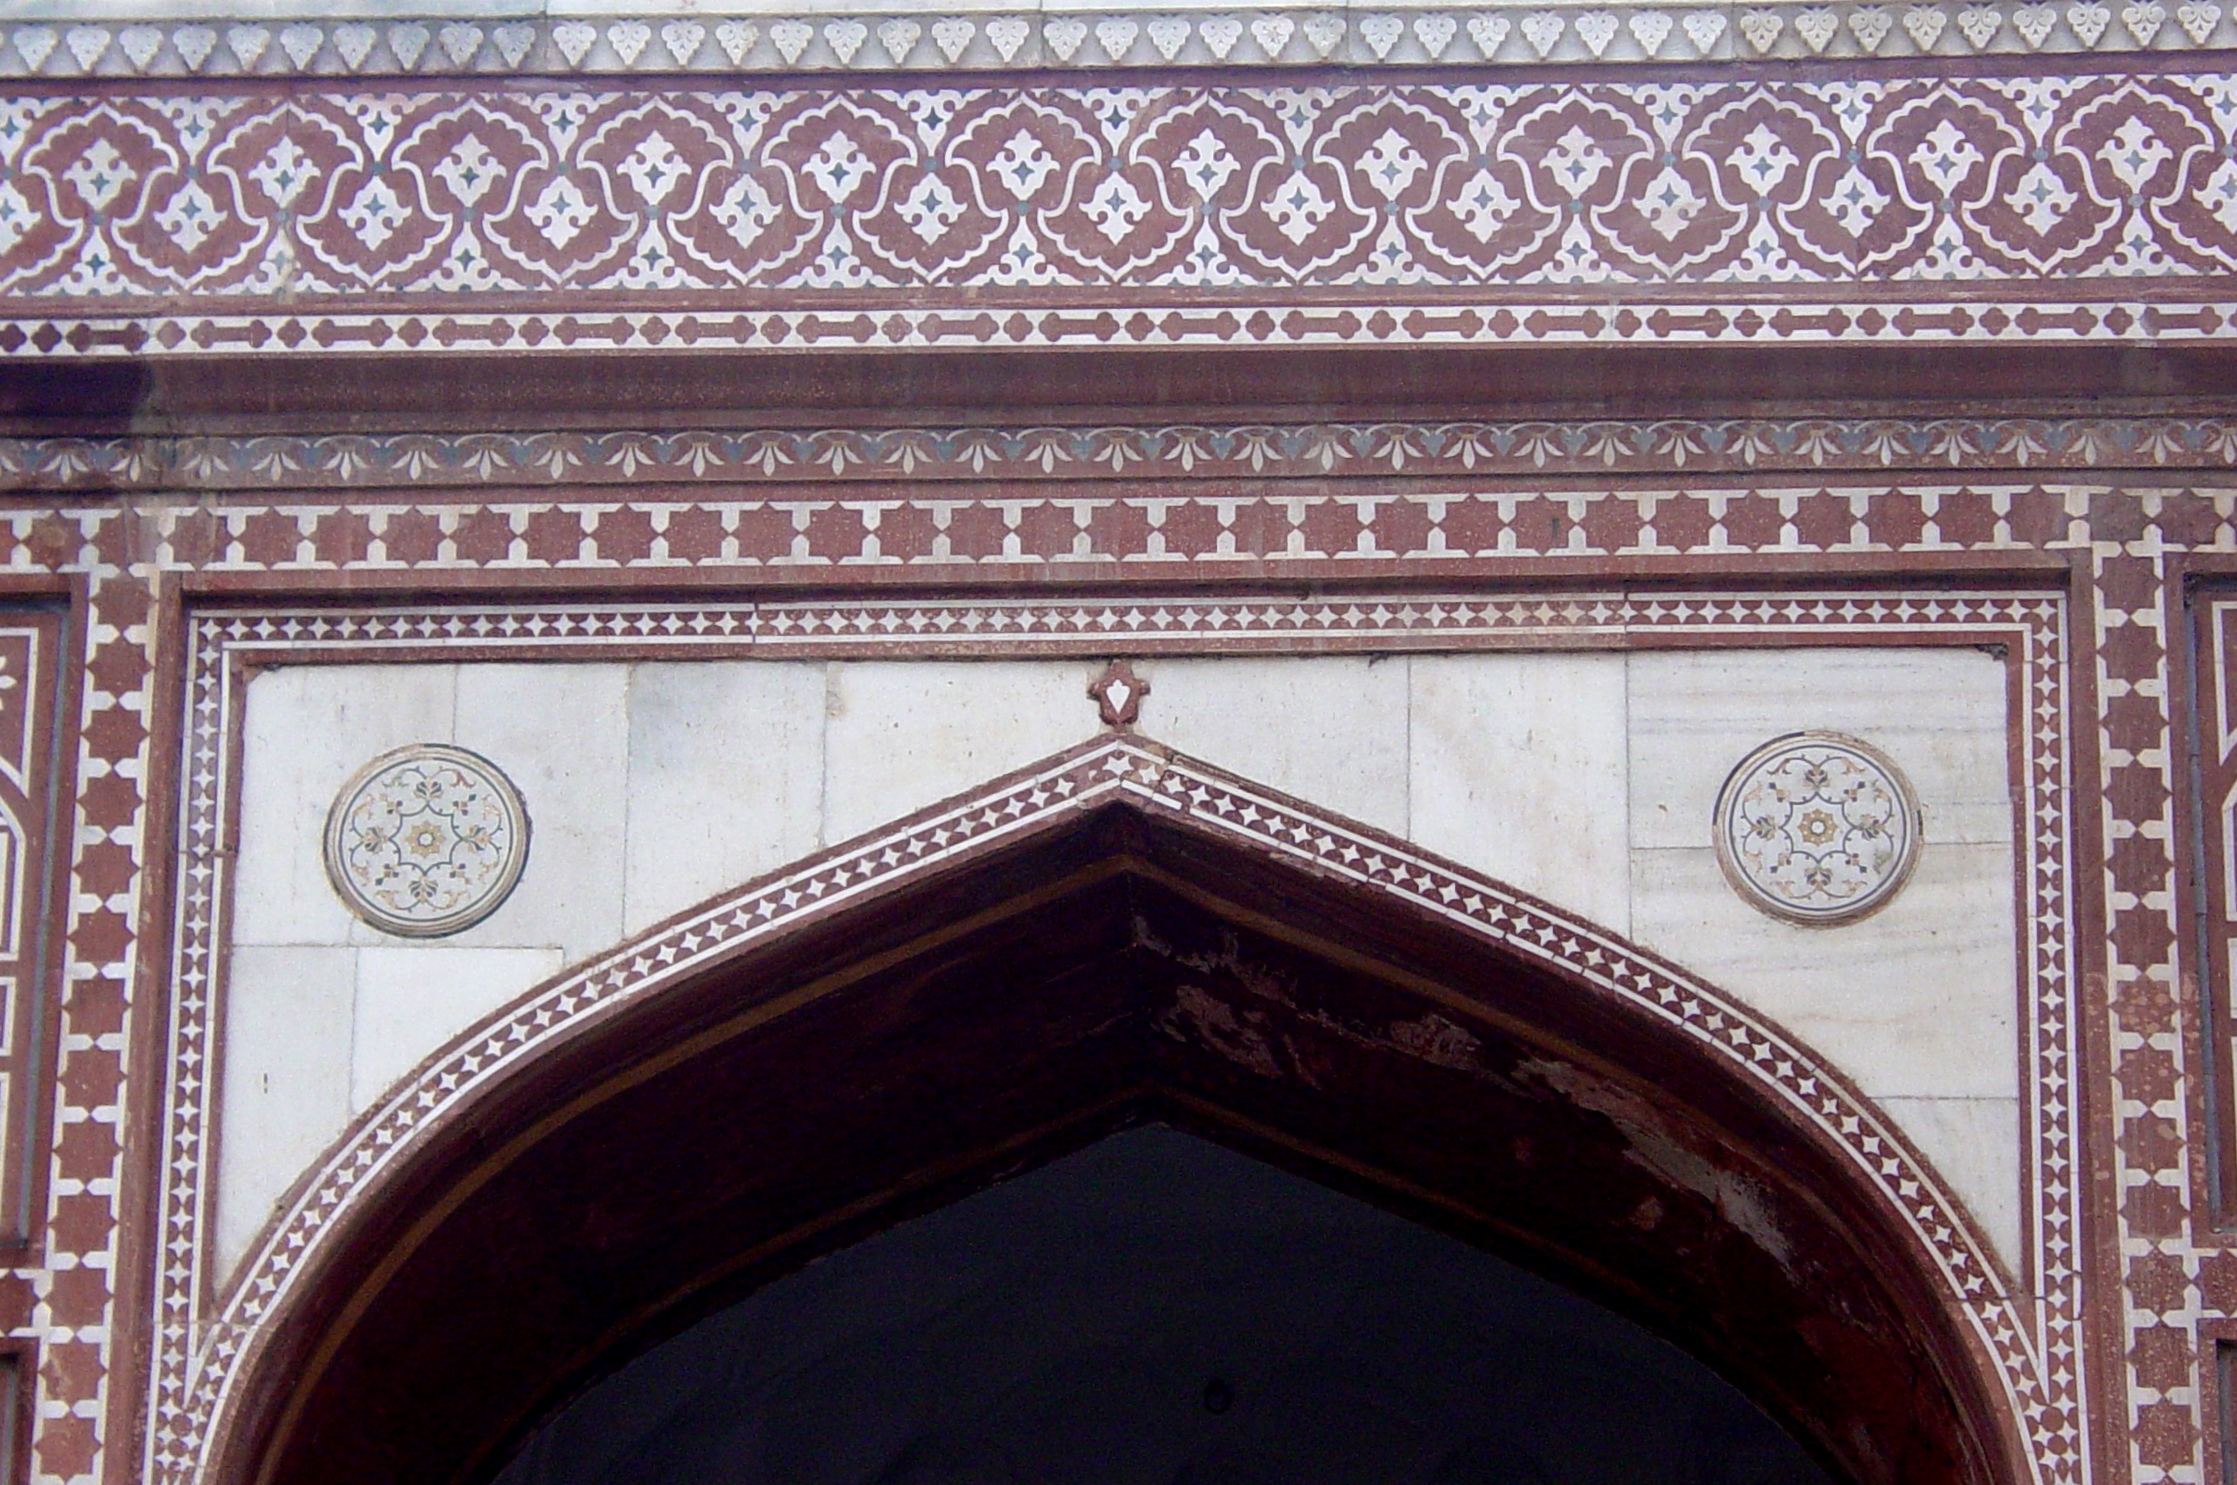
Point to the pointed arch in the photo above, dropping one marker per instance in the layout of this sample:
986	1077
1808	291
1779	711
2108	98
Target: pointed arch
1116	934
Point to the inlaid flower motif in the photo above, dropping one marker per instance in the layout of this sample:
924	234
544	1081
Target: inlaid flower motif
1817	828
426	841
426	838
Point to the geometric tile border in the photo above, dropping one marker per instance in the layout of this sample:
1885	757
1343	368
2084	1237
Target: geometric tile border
2179	1273
1149	530
60	1294
448	41
201	1335
2094	311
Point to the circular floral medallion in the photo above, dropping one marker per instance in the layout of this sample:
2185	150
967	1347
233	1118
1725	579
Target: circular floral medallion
1817	828
426	840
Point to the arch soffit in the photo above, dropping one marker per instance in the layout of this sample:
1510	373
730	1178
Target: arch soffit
1788	1079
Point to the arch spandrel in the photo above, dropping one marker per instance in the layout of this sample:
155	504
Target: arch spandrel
1586	779
1213	951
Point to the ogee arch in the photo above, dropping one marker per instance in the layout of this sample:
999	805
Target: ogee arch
1117	934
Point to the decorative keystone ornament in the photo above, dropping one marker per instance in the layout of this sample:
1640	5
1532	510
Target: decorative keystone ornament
1118	694
426	841
1817	828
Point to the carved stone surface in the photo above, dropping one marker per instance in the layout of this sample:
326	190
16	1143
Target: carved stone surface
2080	230
426	841
1817	828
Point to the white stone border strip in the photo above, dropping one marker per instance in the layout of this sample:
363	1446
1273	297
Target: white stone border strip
467	43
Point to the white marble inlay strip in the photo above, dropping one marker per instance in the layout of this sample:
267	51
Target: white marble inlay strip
52	38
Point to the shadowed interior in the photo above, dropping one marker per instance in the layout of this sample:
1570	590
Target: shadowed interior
1156	1310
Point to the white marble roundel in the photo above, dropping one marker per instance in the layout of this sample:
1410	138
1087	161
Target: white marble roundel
1817	828
426	840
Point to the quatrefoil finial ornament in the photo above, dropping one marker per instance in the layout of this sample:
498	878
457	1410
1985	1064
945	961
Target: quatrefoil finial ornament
1118	694
1817	828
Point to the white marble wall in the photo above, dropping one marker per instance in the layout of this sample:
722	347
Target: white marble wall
1587	779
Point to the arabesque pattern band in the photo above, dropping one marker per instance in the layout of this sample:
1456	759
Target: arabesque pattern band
2090	206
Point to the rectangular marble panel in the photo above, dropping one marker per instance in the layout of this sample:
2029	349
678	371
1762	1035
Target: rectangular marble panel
1519	770
561	733
900	735
413	998
1329	728
1974	1144
308	730
725	778
286	1079
1939	713
1917	1000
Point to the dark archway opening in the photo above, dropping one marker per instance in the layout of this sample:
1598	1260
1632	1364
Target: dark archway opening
1158	1310
1124	968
